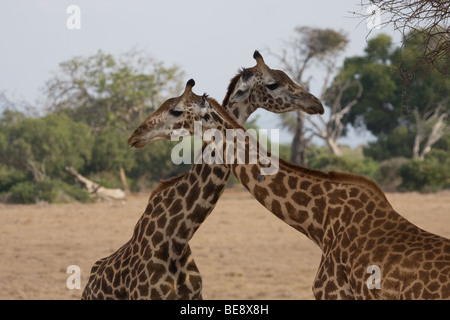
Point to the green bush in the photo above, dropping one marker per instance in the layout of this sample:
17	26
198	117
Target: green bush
361	166
9	177
47	190
388	173
24	192
398	143
73	192
429	175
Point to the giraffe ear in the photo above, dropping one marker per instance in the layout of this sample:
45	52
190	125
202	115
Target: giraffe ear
204	101
246	74
258	57
204	105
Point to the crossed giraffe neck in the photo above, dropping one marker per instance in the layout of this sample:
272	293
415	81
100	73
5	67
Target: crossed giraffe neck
157	262
351	221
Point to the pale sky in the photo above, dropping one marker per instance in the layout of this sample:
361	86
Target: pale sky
209	39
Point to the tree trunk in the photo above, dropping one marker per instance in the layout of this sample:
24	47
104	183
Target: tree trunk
123	178
298	155
334	147
97	190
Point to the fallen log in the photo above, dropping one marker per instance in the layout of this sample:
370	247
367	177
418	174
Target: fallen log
97	190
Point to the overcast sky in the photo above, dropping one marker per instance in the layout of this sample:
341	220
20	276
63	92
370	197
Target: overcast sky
209	39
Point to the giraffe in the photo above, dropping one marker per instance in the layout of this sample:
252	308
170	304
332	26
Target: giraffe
157	263
369	251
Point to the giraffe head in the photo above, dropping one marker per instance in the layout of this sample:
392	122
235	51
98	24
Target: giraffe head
270	89
174	114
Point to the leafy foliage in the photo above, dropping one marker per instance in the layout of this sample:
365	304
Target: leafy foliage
431	174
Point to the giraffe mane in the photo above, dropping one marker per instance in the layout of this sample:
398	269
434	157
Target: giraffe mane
334	176
232	86
164	184
357	179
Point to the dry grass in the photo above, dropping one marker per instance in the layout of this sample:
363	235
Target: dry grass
242	250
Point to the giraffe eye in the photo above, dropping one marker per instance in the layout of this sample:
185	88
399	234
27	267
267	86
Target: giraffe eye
273	86
176	113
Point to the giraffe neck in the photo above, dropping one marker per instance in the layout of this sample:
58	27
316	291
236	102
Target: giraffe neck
178	206
240	111
175	211
317	204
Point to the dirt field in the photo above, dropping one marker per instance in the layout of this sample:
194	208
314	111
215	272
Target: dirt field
242	250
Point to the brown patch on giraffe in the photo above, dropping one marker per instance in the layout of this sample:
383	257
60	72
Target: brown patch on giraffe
199	213
345	241
291	210
150	229
147	253
379	254
353	193
301	198
319	210
157	238
337	196
370	207
155	294
328	186
182	188
379	213
302	216
260	193
158	211
355	203
346	215
206	172
292	182
277	185
243	176
177	247
304	185
255	171
276	208
175	207
174	221
161	221
332	212
209	189
143	289
157	269
317	190
218	172
183	231
358	216
192	196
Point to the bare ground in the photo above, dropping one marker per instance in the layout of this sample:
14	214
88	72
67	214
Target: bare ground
242	250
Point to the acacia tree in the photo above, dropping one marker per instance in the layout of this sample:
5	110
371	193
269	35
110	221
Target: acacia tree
102	90
425	19
112	95
430	127
309	45
332	129
421	107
